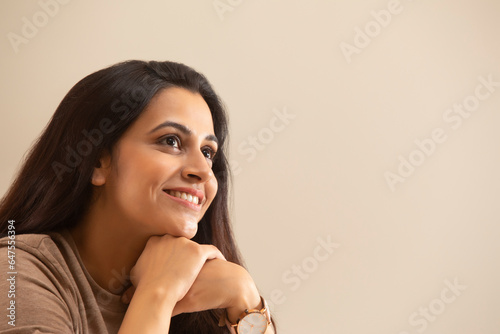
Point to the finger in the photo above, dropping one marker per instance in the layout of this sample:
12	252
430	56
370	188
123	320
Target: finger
212	252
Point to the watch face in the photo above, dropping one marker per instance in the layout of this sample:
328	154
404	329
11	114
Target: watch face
253	323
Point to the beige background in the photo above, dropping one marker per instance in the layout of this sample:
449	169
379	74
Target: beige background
319	175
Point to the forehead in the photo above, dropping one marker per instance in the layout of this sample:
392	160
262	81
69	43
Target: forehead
178	105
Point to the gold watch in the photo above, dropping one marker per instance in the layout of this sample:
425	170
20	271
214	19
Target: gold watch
251	321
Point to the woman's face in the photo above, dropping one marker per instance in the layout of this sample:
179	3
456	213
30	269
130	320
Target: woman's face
158	179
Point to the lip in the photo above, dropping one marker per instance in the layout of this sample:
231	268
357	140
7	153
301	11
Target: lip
194	192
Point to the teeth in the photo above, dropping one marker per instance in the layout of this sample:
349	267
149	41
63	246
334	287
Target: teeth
185	196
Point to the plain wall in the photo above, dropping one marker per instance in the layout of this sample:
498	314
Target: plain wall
328	100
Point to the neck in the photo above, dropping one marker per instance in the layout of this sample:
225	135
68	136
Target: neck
108	250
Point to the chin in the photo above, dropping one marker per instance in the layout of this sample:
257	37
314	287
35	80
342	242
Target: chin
189	230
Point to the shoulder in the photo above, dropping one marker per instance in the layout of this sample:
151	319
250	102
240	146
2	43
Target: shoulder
44	262
28	241
28	248
41	286
38	260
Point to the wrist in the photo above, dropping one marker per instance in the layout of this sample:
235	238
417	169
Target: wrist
149	311
160	297
248	299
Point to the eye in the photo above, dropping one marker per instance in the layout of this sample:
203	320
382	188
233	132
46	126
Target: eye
170	140
208	152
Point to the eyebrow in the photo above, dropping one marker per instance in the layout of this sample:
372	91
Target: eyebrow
182	128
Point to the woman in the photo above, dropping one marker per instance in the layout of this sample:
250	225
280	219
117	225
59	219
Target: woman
119	218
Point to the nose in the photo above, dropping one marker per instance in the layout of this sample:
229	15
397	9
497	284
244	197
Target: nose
197	168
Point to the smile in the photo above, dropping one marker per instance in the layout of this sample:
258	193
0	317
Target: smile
185	196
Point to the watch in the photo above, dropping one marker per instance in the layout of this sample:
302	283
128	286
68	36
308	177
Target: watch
252	321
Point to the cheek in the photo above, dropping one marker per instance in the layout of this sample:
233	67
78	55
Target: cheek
142	169
150	163
211	189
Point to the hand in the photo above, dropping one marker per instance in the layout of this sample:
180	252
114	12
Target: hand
170	264
220	284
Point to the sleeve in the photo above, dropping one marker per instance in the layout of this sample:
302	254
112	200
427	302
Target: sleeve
31	295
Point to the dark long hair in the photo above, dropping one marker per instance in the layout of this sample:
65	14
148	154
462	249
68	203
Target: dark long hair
53	189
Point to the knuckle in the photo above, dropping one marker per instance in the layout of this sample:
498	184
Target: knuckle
190	246
197	249
153	240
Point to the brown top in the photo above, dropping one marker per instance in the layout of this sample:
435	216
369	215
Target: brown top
51	290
